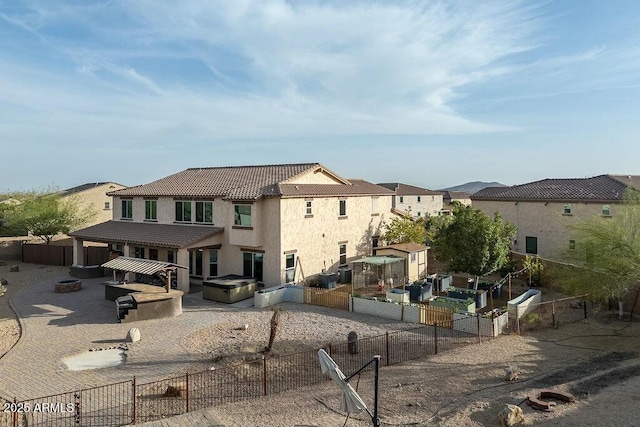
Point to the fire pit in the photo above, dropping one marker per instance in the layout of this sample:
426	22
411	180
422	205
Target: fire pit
65	286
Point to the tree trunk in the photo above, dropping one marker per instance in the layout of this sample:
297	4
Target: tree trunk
475	285
275	320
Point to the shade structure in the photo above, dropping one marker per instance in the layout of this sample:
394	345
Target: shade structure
351	401
140	265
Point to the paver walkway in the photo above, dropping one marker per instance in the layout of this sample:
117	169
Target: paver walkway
56	326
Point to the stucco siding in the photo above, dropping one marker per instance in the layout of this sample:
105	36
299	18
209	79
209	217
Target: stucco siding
94	199
313	177
316	238
428	204
544	220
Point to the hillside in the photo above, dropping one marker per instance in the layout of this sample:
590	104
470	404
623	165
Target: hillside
473	187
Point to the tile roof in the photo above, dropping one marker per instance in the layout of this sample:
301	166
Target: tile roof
84	187
356	187
232	182
632	181
164	235
408	190
456	195
597	188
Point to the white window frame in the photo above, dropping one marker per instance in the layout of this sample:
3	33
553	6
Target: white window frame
238	216
127	209
289	271
567	209
374	205
342	207
309	207
606	210
183	204
213	260
151	210
203	204
342	252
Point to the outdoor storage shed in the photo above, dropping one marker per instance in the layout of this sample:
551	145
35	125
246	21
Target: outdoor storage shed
415	256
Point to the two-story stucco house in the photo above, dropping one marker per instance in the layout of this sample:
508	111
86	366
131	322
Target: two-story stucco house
93	196
257	221
415	200
449	197
543	211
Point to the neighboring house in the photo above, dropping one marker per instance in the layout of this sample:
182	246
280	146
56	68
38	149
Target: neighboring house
418	201
455	196
543	211
270	222
94	196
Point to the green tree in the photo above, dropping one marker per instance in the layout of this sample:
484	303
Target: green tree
473	242
405	229
45	214
607	252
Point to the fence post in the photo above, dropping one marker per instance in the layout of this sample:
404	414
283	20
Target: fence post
133	386
187	389
478	323
435	335
517	321
553	314
76	398
264	375
387	342
584	304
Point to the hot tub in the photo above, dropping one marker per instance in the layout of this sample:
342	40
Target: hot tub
228	289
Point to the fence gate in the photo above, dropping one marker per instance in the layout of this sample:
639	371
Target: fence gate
327	298
430	315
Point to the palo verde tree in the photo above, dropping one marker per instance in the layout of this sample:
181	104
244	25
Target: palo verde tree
404	229
473	242
607	252
45	214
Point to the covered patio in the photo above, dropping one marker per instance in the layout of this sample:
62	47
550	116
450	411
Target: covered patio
174	244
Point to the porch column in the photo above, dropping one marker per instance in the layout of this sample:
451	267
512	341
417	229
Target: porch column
78	252
182	258
126	250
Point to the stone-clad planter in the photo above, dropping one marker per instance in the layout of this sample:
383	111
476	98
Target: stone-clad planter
65	286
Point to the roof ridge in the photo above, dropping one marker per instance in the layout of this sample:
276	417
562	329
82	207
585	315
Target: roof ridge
253	166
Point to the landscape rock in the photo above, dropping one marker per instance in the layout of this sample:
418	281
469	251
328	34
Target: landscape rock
133	335
15	268
3	282
512	373
510	416
172	392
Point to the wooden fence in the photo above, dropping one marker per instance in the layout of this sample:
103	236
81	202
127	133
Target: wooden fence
430	315
62	255
327	298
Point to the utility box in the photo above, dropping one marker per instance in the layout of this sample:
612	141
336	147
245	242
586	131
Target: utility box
327	280
345	275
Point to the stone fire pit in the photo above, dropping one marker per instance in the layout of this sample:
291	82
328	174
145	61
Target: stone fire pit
65	286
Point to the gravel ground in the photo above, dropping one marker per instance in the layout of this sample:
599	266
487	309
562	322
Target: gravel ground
597	361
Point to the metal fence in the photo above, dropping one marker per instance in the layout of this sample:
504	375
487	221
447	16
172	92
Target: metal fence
552	314
131	402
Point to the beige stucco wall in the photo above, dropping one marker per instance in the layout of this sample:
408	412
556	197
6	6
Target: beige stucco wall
95	199
544	220
428	205
316	239
313	177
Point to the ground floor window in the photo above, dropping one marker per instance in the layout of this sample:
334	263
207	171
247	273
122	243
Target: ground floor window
252	264
138	252
171	257
343	254
213	262
531	245
290	268
153	254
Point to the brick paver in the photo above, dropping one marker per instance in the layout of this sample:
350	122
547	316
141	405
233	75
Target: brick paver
56	326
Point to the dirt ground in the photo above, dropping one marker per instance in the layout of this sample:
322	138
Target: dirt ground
597	361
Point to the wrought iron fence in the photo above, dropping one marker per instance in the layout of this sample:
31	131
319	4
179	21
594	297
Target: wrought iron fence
131	402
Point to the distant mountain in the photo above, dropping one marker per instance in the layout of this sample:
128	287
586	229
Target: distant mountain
473	187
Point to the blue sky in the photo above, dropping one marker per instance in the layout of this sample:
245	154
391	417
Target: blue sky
424	92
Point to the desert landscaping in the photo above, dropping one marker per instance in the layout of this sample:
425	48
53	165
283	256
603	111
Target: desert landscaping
595	360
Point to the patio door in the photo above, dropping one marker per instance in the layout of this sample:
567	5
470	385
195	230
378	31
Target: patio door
252	265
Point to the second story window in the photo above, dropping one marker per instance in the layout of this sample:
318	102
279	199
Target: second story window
343	208
309	210
183	211
606	210
107	206
419	199
374	206
401	199
151	210
567	209
242	215
127	209
204	212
